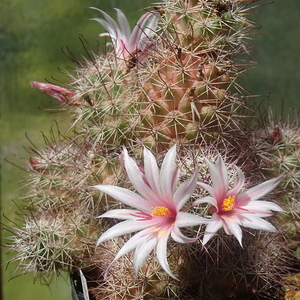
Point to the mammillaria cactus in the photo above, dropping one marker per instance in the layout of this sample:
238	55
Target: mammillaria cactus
145	117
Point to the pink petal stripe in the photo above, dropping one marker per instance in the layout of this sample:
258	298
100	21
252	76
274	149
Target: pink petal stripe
168	176
185	190
137	32
152	172
223	172
123	214
55	91
219	177
174	181
258	191
239	183
124	25
136	178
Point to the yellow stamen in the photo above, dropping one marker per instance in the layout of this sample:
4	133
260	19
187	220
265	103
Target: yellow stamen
160	211
228	203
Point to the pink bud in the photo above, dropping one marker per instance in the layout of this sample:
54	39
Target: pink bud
61	94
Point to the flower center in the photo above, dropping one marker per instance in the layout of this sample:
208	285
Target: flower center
228	203
160	211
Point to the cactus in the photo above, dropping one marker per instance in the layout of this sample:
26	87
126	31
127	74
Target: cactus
277	143
184	90
171	81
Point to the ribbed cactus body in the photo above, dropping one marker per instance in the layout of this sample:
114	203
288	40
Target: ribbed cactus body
187	96
184	90
277	142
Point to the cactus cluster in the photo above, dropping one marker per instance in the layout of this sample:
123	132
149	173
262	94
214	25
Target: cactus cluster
173	80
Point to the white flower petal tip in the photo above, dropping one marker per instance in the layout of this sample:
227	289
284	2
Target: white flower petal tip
127	43
155	212
232	208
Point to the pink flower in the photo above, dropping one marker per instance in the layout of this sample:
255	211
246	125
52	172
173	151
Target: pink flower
157	207
124	41
61	94
232	209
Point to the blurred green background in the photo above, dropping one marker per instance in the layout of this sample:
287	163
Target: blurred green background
32	33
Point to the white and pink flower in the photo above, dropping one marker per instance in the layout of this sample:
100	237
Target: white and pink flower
157	205
232	208
124	41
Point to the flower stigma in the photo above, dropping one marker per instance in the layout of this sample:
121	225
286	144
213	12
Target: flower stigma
160	211
228	203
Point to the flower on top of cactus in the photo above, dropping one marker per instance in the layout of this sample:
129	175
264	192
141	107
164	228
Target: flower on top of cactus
126	42
232	208
61	94
157	207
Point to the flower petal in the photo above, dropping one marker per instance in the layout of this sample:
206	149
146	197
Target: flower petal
134	241
150	27
124	25
125	196
258	191
219	177
185	190
234	228
161	252
136	178
185	219
110	24
138	34
239	184
61	94
142	251
123	214
210	200
211	190
213	226
168	176
151	171
121	229
254	222
261	207
179	237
